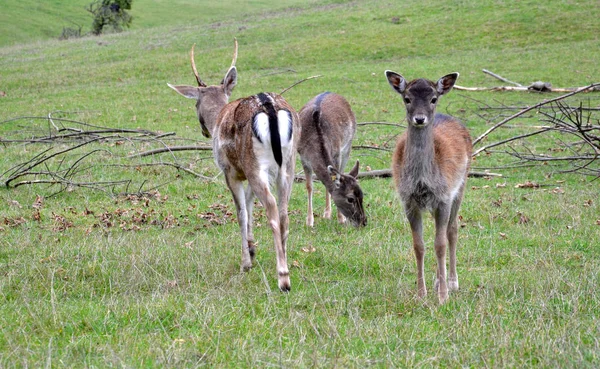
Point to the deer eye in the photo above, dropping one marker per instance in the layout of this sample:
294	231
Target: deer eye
406	100
434	100
350	200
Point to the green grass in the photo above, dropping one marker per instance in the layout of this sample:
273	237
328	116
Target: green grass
88	279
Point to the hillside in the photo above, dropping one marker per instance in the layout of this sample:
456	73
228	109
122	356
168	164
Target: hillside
110	259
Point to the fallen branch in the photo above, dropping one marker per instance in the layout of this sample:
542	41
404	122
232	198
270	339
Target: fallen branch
386	173
546	102
501	78
380	124
538	86
170	149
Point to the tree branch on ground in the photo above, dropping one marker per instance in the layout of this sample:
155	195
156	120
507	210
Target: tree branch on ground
538	86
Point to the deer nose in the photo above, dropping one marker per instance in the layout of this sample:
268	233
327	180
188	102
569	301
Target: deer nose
420	120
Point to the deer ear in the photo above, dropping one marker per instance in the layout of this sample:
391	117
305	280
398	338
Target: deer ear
445	84
230	81
190	92
395	80
335	175
354	171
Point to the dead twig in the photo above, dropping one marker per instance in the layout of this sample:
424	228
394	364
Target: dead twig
170	149
501	78
546	102
387	173
297	83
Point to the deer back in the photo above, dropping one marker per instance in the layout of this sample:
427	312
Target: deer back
328	127
256	133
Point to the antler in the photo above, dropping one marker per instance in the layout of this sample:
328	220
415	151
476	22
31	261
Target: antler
234	53
200	83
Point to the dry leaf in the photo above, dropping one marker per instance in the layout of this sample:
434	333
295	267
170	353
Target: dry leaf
523	219
38	203
503	236
308	249
527	184
500	185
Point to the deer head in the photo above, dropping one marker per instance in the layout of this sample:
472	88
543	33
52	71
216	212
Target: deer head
210	99
348	196
420	95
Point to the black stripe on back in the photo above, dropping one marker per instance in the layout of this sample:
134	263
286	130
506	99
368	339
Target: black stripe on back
319	100
320	134
267	103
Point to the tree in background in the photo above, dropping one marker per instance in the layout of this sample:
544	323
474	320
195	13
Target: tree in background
111	13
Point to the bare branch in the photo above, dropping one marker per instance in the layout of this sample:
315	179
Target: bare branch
170	149
297	83
501	78
387	173
546	102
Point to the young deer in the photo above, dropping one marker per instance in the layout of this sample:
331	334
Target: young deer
254	139
430	166
328	127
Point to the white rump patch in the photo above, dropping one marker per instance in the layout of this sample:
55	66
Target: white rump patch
284	121
261	127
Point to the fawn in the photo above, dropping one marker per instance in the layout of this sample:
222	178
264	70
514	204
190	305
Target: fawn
328	127
254	139
430	167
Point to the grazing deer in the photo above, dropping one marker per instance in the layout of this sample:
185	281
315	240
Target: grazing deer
430	166
254	139
328	127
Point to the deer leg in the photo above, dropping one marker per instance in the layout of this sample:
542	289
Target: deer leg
416	225
441	215
327	212
261	190
284	187
310	220
342	160
237	191
341	218
452	241
250	222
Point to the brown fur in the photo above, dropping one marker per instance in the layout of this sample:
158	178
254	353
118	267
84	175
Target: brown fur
243	157
328	127
430	166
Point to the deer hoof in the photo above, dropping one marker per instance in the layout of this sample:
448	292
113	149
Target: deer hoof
246	267
284	281
453	285
252	249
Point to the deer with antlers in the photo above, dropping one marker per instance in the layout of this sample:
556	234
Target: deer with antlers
254	140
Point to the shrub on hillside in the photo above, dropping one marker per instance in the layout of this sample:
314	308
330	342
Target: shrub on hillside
110	13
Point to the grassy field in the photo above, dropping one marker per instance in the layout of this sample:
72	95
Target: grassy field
92	278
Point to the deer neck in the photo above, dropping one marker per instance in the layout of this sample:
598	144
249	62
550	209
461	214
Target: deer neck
420	152
319	157
208	116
